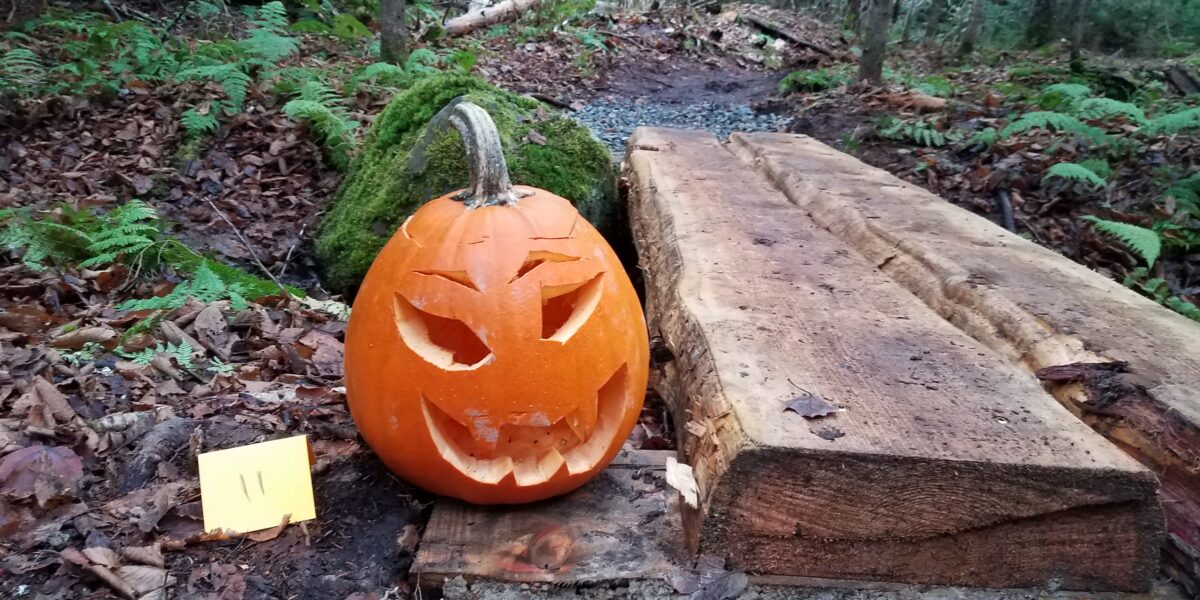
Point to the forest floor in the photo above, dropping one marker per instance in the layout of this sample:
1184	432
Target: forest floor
96	504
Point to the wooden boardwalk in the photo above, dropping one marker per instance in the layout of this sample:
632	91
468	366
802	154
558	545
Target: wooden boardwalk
947	462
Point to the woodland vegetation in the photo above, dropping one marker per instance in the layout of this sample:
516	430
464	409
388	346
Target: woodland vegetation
167	167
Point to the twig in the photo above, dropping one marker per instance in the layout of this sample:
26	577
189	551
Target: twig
182	11
112	11
249	248
1006	210
288	258
551	100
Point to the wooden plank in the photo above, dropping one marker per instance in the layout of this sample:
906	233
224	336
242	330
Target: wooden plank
948	464
1029	304
619	526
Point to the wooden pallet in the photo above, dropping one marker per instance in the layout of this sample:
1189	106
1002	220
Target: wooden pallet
1028	304
948	464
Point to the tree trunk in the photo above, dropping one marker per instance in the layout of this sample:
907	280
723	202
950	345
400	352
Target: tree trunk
1079	19
913	6
853	11
933	20
1040	28
393	35
971	33
870	66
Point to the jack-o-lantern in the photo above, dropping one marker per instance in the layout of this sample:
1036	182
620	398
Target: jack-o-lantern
496	351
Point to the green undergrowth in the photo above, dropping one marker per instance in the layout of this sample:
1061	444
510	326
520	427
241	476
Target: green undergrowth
129	236
386	183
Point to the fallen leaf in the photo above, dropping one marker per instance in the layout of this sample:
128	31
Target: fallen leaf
830	433
77	338
45	472
810	406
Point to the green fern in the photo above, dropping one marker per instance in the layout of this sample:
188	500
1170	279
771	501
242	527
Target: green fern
1063	95
21	71
321	107
234	82
1099	108
267	40
40	242
1173	123
181	352
1074	172
198	124
1146	243
130	230
923	133
1052	121
421	60
205	286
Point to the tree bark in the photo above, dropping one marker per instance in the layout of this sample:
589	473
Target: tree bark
853	11
913	7
870	66
933	20
393	35
1079	20
1039	30
971	33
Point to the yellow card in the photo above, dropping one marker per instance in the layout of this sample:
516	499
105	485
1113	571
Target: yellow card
252	487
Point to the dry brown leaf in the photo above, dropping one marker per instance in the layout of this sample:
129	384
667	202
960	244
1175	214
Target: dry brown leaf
145	555
44	472
102	556
76	339
44	394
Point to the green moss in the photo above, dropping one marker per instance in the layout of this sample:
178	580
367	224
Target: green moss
387	182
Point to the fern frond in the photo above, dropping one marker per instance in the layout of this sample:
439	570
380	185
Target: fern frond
269	45
271	16
421	60
198	124
1052	121
1173	123
233	81
1074	172
1076	91
1099	108
21	69
1146	243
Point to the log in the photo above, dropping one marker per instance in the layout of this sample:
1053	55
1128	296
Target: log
781	32
945	463
486	17
1183	79
1029	305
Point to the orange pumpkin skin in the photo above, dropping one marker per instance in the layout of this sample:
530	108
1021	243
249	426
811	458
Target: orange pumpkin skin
496	354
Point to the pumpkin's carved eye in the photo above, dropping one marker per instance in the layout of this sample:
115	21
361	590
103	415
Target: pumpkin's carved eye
459	277
446	343
565	308
538	258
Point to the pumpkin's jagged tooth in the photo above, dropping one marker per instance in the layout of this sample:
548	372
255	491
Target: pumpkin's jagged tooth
531	471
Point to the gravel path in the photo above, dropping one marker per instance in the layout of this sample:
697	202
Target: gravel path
613	121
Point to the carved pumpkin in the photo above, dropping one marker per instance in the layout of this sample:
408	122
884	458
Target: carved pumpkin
496	351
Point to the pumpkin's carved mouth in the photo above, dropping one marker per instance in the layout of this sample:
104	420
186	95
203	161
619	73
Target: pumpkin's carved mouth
532	454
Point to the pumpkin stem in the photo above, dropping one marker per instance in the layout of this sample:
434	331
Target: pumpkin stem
490	185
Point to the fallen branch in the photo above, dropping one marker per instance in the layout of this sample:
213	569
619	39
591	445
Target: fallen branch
249	248
504	11
778	31
1183	79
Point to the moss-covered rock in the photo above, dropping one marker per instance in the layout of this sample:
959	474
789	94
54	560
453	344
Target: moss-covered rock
399	169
